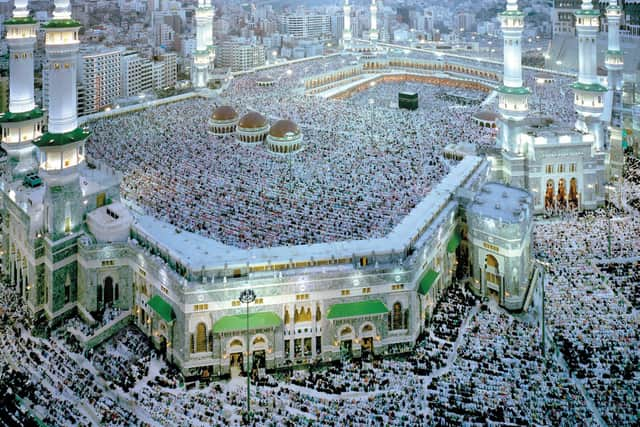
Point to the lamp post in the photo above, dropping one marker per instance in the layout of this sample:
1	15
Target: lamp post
247	297
545	266
608	201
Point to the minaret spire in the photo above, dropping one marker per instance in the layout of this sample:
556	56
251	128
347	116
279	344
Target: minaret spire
204	37
614	60
346	31
373	32
513	96
589	93
23	123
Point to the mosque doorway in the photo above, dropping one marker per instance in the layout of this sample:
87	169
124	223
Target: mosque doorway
236	367
548	196
573	194
346	349
562	195
259	359
367	347
108	290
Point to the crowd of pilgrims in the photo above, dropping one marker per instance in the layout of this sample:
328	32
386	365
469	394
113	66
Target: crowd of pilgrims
592	305
469	361
359	174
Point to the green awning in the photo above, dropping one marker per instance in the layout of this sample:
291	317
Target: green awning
263	320
162	307
355	309
454	242
427	281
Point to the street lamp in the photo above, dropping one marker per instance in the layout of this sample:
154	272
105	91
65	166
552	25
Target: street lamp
247	297
545	266
610	189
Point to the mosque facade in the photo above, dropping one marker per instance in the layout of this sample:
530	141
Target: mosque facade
73	248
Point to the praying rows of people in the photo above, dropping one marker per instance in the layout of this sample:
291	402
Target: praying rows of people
359	174
596	328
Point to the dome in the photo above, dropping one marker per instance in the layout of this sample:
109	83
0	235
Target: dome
252	120
224	113
284	129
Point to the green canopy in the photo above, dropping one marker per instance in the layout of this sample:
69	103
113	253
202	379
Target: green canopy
454	242
238	322
427	281
162	307
355	309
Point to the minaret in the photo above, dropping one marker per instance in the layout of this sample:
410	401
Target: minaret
346	31
23	123
373	32
512	95
614	60
589	93
62	146
204	17
210	47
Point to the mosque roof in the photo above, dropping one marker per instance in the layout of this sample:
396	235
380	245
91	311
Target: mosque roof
284	129
223	113
252	120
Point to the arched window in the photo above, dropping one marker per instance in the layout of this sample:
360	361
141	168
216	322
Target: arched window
201	338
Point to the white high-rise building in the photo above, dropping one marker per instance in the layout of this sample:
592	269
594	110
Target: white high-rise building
100	75
239	56
137	74
306	26
23	123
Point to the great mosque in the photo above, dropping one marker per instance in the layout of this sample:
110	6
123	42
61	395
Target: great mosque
73	246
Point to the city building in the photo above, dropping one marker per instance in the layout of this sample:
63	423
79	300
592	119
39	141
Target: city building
306	26
239	55
100	76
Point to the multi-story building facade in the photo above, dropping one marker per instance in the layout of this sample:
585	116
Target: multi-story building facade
137	74
307	26
238	56
100	76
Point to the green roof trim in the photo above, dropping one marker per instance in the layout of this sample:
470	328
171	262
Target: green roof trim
454	242
238	322
27	20
513	90
592	12
427	281
593	87
162	307
357	309
7	117
62	23
512	13
56	139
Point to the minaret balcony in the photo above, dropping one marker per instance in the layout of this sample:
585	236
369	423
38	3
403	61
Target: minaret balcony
587	19
17	31
614	11
614	60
